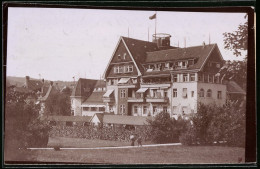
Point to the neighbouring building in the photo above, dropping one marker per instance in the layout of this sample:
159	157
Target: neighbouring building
81	92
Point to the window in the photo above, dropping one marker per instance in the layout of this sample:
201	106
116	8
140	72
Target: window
135	109
206	78
102	109
175	78
174	92
165	93
201	93
184	92
119	56
93	108
192	77
121	69
190	62
216	79
165	109
184	110
154	110
209	93
210	78
185	77
219	95
145	112
199	78
85	108
174	110
116	69
122	109
184	64
192	93
130	68
124	56
123	93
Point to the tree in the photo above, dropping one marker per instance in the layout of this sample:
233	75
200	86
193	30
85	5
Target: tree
23	127
58	104
166	129
214	123
238	40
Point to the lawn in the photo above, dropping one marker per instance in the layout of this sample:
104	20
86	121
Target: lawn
141	155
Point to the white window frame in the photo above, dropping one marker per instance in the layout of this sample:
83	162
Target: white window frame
184	96
122	93
192	75
185	78
135	110
209	93
122	109
175	92
202	94
145	110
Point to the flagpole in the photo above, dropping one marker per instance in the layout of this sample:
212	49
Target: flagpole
155	22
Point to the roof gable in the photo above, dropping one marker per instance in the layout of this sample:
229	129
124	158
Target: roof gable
84	87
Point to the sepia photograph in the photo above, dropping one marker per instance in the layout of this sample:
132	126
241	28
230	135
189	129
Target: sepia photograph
121	86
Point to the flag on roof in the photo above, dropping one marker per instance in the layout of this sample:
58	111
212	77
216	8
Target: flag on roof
153	16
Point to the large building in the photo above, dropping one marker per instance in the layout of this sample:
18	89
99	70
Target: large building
145	78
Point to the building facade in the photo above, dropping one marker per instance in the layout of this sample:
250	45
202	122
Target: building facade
145	78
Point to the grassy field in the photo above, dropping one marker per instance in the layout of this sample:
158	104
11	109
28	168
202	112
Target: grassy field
141	155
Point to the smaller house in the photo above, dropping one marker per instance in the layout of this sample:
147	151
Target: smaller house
94	103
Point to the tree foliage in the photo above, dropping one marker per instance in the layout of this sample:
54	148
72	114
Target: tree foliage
165	129
23	127
237	40
58	104
214	124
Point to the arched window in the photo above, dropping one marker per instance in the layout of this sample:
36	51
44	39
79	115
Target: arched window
201	92
209	93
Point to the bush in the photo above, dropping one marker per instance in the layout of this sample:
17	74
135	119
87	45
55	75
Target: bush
165	129
214	124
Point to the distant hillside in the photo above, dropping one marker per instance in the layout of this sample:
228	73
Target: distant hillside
20	81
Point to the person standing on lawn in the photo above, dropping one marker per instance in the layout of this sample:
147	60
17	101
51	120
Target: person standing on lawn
132	138
139	141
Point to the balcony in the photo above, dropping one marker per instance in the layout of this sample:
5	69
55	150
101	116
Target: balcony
157	99
108	99
135	99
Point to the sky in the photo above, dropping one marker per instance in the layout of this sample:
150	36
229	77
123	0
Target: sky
62	43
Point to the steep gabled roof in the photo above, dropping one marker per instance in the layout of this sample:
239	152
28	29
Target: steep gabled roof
196	52
95	98
83	87
233	87
138	49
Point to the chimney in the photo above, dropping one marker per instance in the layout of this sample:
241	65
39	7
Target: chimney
42	80
51	82
162	39
27	79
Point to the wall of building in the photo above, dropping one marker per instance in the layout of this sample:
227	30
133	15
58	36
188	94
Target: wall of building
187	104
76	106
214	98
115	93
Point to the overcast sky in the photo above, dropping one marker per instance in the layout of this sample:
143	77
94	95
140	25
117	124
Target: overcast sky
61	43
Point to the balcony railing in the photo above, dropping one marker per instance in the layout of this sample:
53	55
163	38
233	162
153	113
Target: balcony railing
135	99
108	99
161	99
